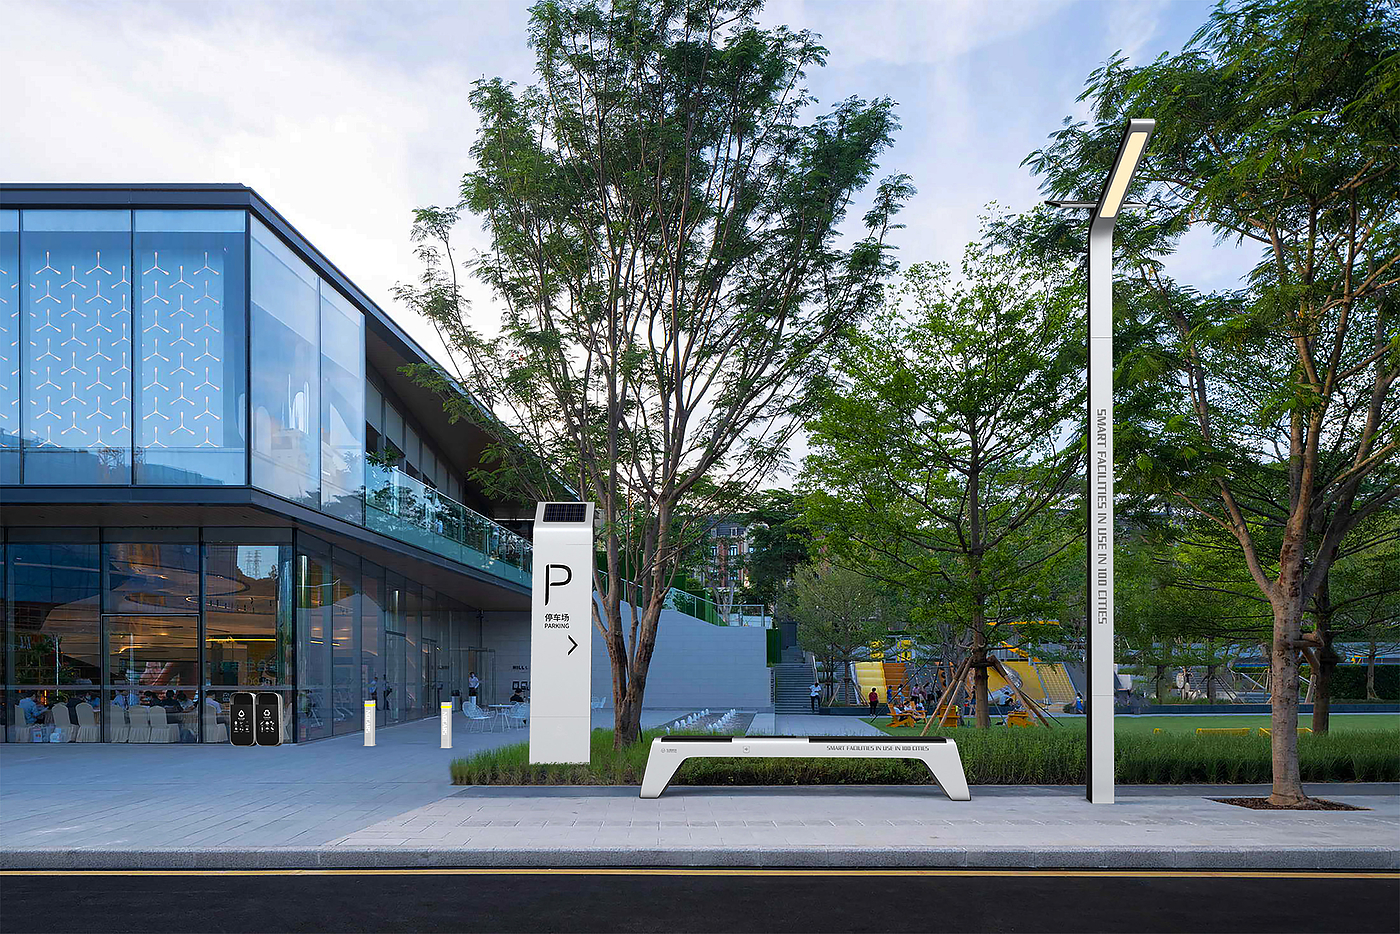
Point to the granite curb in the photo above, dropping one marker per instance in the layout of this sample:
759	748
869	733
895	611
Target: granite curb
1067	857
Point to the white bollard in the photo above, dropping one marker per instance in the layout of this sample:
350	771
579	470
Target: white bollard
446	724
369	723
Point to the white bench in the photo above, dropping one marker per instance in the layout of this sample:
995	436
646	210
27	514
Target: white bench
939	753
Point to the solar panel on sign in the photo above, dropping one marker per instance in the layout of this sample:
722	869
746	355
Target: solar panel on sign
565	512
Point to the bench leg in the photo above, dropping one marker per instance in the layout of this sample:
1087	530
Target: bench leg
660	770
946	766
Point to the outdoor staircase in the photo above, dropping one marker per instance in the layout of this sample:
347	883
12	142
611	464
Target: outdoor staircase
792	684
1058	687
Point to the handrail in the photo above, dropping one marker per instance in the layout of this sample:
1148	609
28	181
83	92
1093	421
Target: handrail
413	512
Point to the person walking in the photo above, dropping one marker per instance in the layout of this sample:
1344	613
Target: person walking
874	702
815	695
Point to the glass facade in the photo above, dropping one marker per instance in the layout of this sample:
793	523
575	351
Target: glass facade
76	347
342	407
193	347
154	630
9	346
247	368
285	314
191	370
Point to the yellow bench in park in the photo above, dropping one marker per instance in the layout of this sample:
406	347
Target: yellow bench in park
910	719
1241	731
1265	731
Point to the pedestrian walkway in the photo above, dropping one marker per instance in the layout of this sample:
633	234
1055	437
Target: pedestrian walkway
816	725
337	803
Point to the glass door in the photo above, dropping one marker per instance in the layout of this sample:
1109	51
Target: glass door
153	661
432	678
395	646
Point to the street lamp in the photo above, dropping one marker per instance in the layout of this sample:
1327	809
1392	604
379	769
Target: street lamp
1101	676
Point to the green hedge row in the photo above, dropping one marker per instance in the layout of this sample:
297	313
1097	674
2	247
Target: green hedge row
990	757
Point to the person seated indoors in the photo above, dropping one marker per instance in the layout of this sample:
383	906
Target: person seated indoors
516	697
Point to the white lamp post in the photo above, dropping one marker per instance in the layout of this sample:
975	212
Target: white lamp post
1101	674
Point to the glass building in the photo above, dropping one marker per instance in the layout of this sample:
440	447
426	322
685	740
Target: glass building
215	477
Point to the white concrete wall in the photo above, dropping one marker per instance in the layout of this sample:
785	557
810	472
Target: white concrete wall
695	664
698	665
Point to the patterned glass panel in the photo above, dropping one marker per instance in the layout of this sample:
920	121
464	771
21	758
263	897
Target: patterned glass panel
191	399
285	312
77	347
9	347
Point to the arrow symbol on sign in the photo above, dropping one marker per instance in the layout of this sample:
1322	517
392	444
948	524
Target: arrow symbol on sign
573	646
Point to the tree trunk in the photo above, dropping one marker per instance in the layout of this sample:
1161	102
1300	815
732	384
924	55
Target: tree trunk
1324	660
1161	676
1371	674
1210	684
1283	668
979	681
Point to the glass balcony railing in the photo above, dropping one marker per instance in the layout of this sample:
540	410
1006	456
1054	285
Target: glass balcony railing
411	511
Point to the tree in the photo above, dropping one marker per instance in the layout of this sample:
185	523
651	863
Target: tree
778	545
943	456
839	613
664	245
1278	127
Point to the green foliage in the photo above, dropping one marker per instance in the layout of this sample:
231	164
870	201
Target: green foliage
1349	683
663	213
941	461
839	614
990	757
778	545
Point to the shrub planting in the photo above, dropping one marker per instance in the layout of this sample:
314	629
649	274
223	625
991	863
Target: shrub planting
990	757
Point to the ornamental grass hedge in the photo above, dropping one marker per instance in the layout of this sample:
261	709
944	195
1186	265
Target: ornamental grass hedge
990	757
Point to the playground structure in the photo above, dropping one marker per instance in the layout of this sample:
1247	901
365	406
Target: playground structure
1017	673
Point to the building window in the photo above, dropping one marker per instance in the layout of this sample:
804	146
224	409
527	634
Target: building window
9	346
76	420
285	312
342	407
190	394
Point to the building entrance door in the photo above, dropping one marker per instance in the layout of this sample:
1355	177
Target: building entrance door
152	661
432	680
395	650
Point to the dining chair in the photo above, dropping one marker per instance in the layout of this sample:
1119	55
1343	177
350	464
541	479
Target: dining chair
67	729
214	731
162	731
117	729
140	724
88	730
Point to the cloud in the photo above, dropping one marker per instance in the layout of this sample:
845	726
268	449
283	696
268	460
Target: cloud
344	140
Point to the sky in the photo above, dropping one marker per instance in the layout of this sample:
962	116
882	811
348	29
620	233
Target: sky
345	116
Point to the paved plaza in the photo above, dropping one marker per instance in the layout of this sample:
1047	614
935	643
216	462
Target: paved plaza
337	803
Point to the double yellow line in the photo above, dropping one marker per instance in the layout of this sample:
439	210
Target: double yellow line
732	871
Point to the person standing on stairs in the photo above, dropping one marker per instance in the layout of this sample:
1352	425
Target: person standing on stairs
815	693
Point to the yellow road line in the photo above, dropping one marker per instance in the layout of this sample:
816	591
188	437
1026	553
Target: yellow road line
728	871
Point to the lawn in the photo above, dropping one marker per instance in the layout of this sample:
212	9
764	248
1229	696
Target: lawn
1187	723
1184	724
997	756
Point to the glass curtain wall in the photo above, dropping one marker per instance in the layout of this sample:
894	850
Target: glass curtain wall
9	346
192	363
372	620
285	391
76	347
342	407
127	627
315	595
346	613
53	636
247	629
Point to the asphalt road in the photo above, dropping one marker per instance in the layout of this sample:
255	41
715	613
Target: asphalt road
698	900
